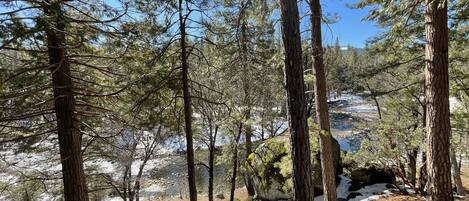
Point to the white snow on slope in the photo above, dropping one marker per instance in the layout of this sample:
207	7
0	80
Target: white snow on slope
368	193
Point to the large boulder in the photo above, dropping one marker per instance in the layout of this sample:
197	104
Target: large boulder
271	168
370	175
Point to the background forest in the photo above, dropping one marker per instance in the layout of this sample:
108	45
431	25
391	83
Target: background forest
203	99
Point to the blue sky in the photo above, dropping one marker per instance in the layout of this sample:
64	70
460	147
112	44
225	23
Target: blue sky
350	28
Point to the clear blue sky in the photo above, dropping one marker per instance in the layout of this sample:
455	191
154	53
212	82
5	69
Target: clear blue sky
350	28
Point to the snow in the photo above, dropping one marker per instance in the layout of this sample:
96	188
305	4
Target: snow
372	192
113	199
7	178
344	185
368	193
454	104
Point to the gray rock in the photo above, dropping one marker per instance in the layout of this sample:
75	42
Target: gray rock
270	167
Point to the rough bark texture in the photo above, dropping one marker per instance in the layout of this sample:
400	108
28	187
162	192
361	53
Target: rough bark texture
457	175
75	188
437	97
187	108
322	112
301	155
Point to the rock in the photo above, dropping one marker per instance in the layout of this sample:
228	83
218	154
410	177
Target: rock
220	196
271	168
368	176
353	195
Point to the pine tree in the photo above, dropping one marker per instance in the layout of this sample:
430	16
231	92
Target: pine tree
437	98
299	138
322	111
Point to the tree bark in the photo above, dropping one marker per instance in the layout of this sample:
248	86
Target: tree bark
69	136
457	174
299	138
235	163
422	180
211	162
322	112
187	107
437	98
412	165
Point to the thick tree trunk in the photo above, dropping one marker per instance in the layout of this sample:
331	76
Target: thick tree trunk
437	97
235	163
457	174
187	107
322	111
299	137
75	188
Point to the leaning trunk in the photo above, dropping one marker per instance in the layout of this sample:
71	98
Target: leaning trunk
299	138
322	112
437	97
187	107
75	188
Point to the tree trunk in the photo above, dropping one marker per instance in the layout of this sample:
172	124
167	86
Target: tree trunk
235	163
211	162
422	180
437	95
375	99
457	174
187	108
299	138
247	178
412	165
322	111
247	100
75	188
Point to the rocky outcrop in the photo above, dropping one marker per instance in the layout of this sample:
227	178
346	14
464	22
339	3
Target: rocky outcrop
271	168
371	175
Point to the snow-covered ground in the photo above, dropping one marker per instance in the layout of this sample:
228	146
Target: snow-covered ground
367	193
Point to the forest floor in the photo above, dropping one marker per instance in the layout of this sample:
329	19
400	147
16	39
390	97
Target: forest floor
241	193
465	180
